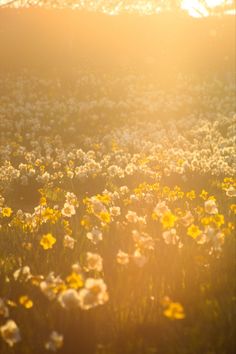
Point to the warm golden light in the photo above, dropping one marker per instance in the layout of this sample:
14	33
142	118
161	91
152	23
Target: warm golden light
117	187
198	8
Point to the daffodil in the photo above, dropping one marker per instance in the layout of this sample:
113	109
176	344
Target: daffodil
193	231
191	195
75	280
6	212
174	311
47	241
168	220
26	301
105	217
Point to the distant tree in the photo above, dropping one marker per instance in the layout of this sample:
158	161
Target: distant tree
117	6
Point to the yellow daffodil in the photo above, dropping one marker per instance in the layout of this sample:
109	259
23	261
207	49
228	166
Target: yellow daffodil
204	194
26	302
191	195
233	208
193	231
47	241
105	217
174	311
219	219
168	220
75	280
6	212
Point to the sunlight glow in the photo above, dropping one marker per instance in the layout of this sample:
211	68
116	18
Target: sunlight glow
196	8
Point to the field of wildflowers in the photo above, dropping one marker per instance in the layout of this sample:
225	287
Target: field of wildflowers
117	214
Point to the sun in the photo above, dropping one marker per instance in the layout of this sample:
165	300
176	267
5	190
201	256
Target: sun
198	8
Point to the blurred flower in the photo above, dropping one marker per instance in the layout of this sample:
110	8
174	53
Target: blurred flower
115	211
131	216
210	206
10	333
93	261
139	259
143	240
3	309
26	301
168	220
55	342
161	208
47	241
6	212
75	280
105	217
193	231
69	298
174	311
187	219
51	286
68	210
94	293
122	257
170	237
69	242
95	235
23	273
231	192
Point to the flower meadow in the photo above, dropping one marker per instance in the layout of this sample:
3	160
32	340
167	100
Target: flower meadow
117	214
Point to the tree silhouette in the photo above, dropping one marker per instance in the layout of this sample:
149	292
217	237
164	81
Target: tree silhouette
117	6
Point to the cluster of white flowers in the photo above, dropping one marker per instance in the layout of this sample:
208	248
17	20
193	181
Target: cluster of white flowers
200	140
